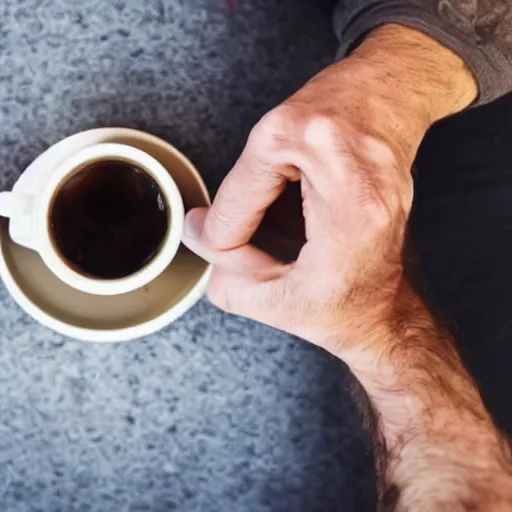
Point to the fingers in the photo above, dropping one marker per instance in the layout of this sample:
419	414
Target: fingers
245	260
254	183
245	280
264	301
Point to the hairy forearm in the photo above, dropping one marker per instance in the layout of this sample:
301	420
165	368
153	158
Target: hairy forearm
406	81
413	66
438	447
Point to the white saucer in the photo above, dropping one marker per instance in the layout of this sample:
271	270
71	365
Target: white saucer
102	318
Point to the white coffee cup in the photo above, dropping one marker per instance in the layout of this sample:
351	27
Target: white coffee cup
29	218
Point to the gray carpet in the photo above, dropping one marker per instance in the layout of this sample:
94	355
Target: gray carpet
215	413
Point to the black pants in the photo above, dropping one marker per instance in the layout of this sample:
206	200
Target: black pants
461	232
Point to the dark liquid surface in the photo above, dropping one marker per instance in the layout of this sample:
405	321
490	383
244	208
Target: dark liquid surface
109	219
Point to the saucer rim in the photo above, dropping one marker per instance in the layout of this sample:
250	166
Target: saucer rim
124	333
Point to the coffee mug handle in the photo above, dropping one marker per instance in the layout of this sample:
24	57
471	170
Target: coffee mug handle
14	205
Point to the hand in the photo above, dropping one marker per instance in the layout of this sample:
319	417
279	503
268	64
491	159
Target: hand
349	136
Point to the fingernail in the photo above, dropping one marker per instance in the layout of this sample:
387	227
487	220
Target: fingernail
193	226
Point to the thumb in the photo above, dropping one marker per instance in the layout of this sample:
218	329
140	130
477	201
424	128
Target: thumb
245	260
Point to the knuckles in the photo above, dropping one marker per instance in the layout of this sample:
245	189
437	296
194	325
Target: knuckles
275	127
289	123
363	164
291	128
321	131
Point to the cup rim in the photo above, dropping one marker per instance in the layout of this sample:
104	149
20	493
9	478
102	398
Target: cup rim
91	334
57	264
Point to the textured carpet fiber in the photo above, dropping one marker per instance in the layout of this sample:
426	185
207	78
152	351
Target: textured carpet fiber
215	413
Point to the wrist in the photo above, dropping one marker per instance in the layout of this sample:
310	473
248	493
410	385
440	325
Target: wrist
401	81
413	66
411	371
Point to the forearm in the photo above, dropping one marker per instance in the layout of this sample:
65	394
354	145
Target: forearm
414	68
440	449
477	31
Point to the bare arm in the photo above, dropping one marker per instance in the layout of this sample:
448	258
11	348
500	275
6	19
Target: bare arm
436	445
350	137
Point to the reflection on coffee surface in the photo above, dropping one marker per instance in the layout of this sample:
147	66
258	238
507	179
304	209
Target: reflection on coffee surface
109	219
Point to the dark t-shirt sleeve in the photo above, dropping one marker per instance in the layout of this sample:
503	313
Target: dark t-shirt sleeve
480	31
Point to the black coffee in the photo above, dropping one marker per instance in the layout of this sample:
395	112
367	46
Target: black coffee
109	219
